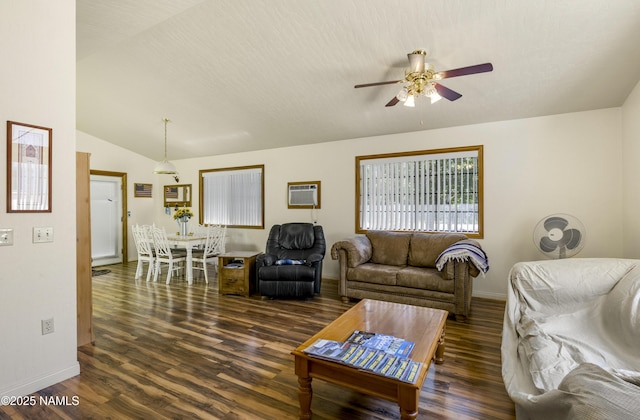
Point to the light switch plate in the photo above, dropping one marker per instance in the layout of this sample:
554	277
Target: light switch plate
42	234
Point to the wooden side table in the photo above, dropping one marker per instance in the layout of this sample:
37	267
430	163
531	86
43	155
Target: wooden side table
236	273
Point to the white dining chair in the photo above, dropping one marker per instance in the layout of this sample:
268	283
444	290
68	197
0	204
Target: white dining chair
165	254
214	246
144	247
200	231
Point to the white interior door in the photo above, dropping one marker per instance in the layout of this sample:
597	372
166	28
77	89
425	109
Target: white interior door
106	220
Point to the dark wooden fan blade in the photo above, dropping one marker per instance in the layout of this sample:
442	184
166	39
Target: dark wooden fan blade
392	102
445	92
378	84
463	71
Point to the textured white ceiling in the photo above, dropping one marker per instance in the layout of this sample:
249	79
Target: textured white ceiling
240	75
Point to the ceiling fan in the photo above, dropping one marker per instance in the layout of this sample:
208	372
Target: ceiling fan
421	79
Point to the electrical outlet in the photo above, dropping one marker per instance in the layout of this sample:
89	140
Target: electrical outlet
47	326
6	237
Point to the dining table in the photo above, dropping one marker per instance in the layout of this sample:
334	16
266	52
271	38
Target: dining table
187	242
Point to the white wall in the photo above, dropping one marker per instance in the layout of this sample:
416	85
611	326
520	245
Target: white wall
533	167
139	169
631	159
38	281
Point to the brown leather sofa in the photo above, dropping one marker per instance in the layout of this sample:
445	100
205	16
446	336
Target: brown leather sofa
401	267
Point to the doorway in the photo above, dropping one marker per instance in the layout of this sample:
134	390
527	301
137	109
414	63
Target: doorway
108	226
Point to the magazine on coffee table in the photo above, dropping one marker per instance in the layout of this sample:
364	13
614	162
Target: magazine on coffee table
387	343
385	355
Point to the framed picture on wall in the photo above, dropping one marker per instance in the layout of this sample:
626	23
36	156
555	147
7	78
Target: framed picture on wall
28	168
142	190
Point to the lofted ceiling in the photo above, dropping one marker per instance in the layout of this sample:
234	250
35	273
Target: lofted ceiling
242	75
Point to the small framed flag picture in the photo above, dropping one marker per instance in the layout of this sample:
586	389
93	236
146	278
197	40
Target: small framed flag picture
142	190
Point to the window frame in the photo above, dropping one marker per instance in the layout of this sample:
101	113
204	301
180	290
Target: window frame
455	150
231	169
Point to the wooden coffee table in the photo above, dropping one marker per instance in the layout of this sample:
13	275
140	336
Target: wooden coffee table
424	326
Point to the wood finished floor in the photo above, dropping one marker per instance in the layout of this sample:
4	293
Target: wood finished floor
181	351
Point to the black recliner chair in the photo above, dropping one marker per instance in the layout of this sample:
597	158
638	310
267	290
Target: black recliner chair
292	263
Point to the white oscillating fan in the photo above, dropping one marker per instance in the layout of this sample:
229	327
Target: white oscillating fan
559	236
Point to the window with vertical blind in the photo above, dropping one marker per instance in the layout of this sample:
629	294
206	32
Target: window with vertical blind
429	191
232	196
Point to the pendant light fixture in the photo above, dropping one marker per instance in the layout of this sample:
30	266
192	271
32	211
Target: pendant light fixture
165	167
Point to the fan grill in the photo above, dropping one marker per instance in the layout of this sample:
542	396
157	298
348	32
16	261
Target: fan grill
559	236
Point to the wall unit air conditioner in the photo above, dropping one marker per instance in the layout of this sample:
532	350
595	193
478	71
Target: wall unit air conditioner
304	195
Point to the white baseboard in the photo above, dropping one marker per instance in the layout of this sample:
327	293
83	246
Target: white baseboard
43	382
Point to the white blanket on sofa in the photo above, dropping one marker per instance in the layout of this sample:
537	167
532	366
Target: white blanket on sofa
568	316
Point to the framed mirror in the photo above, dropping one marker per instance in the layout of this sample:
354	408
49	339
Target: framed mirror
177	195
28	168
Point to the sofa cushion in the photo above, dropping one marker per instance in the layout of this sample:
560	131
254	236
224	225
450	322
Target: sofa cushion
424	248
424	278
374	273
390	248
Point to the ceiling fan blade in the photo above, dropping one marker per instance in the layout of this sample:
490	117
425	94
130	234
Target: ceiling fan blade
392	102
463	71
445	92
378	84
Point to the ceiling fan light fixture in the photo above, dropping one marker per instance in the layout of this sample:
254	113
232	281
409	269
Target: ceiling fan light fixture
416	61
402	95
432	93
410	102
165	167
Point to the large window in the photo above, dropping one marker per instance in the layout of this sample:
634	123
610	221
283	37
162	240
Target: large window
233	196
429	191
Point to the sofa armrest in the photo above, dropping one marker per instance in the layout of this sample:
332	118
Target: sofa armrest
448	272
357	250
350	253
468	252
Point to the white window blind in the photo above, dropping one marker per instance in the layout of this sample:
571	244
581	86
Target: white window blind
432	192
233	197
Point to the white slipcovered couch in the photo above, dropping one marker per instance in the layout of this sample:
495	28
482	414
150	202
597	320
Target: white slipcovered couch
571	339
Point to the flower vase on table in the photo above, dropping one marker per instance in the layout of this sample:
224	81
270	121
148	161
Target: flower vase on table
183	222
182	216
